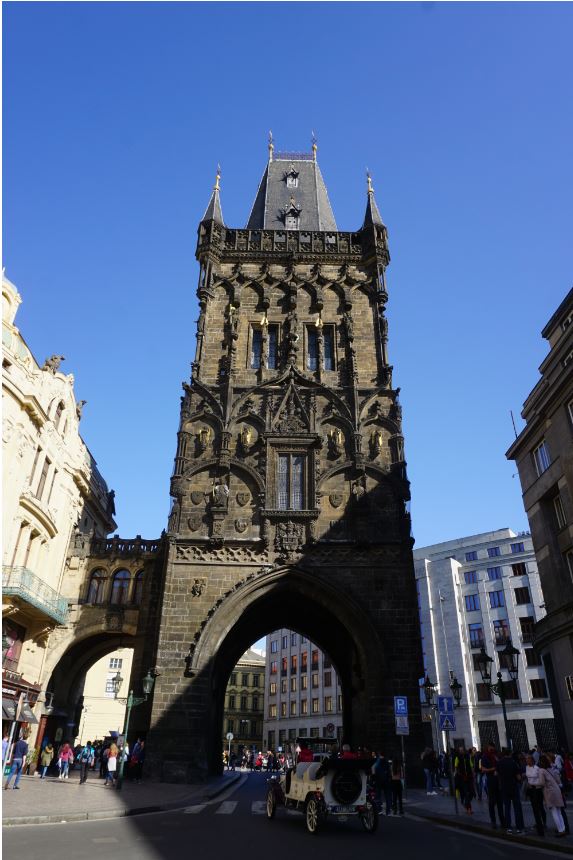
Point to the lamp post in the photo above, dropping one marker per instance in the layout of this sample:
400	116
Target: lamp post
131	702
485	663
456	689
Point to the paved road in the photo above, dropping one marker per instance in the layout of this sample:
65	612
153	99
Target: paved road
236	822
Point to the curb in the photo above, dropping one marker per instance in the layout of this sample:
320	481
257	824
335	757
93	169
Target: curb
101	814
514	838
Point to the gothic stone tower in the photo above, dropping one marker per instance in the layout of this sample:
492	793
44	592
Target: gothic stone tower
289	489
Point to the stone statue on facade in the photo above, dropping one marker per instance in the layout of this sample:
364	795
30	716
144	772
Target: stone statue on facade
52	364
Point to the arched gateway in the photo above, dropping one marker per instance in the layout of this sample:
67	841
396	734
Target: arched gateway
289	490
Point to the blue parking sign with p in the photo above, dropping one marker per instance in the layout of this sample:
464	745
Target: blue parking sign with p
400	706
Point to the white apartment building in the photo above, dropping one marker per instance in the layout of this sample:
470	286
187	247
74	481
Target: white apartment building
484	590
302	692
102	712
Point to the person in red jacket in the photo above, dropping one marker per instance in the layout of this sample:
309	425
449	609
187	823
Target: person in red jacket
305	754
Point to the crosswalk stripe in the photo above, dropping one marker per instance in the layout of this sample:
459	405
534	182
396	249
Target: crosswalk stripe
193	810
258	807
227	807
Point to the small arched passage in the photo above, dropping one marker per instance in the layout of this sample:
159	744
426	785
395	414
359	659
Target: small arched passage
303	602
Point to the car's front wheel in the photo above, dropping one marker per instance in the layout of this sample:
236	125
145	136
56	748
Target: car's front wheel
313	815
369	817
271	803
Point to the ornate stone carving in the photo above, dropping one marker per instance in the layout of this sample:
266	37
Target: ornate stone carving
202	440
198	587
52	364
241	525
197	496
336	499
194	522
376	442
222	555
243	497
288	538
335	443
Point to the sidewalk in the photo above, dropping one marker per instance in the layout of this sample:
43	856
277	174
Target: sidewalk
53	800
440	808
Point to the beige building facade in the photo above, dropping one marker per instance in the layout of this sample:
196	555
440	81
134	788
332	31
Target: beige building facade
102	712
244	704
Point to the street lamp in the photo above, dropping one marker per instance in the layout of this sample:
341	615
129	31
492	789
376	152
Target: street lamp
429	689
116	681
485	662
456	689
131	702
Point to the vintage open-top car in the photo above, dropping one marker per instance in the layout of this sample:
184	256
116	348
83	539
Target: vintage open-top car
329	786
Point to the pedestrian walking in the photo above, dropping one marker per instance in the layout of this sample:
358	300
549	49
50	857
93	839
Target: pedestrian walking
46	759
112	755
509	774
65	758
551	794
19	754
428	765
464	779
382	783
86	758
479	778
397	774
534	793
489	761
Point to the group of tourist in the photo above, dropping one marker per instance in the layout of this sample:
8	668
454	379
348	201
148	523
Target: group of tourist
506	779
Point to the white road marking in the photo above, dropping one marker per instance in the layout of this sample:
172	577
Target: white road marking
104	839
259	807
193	810
227	807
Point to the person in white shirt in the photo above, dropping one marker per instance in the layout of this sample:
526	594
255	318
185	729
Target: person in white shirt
535	794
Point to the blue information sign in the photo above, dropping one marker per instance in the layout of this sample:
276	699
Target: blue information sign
446	705
400	706
447	723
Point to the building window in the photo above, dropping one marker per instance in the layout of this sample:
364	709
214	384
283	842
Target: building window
541	457
304	706
328	704
273	341
138	588
517	547
120	587
476	659
522	595
256	347
304	682
328	340
290	482
293	709
293	638
96	587
527	623
272	712
291	222
304	661
274	667
233	679
494	572
511	689
496	599
493	551
500	631
115	662
314	680
274	646
284	666
476	635
519	569
292	734
34	464
314	659
472	602
315	708
328	679
293	685
292	180
314	731
256	680
245	680
231	702
470	577
326	661
244	705
273	688
284	685
569	562
59	414
471	556
532	658
339	702
285	642
230	725
255	703
293	663
43	478
559	512
483	693
311	348
283	709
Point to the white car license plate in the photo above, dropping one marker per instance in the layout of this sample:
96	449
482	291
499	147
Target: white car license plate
343	810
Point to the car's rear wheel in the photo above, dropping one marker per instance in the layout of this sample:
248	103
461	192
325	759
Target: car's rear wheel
369	817
313	815
271	803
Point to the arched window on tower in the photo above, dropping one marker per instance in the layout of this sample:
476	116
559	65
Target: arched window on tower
59	414
120	587
96	587
138	587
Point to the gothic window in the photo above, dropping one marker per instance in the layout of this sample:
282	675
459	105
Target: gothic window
120	587
138	587
290	484
96	587
328	338
272	362
256	348
312	348
59	413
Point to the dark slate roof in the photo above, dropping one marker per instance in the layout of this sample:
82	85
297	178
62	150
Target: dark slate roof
310	196
372	215
213	211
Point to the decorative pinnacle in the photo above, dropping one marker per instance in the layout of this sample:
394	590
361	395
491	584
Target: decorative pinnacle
216	186
271	146
314	145
369	182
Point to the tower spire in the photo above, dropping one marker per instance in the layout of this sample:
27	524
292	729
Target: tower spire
213	211
372	215
271	146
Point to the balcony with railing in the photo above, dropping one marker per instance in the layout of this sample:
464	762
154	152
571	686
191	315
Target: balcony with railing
26	587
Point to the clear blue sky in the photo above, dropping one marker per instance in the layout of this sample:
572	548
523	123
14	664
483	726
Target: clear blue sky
115	116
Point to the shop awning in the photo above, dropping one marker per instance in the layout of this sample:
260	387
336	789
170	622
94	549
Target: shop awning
8	709
27	715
